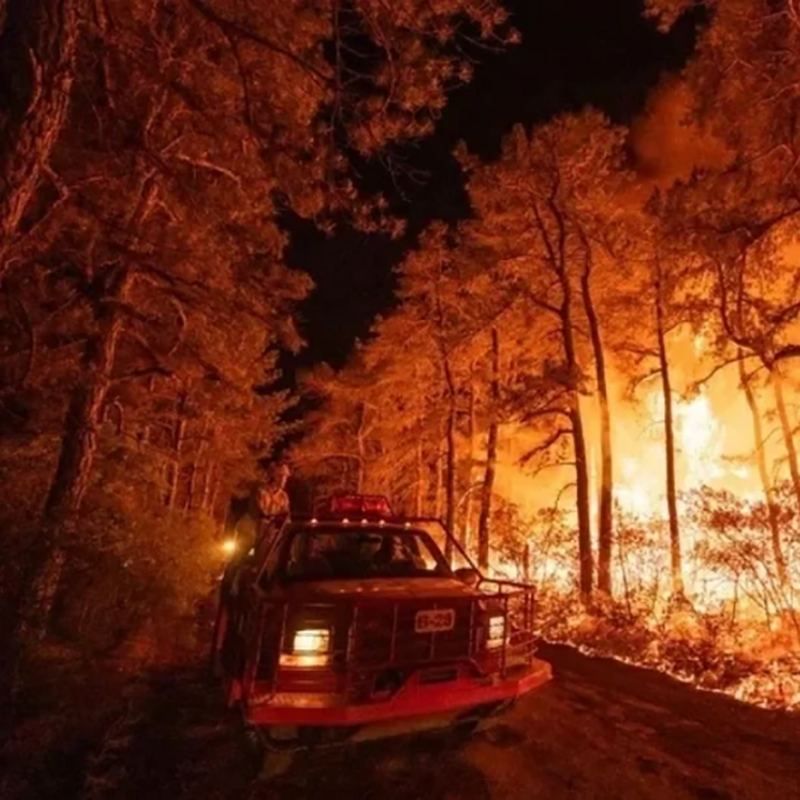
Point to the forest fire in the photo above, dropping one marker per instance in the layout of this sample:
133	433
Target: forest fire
700	439
640	490
733	592
257	261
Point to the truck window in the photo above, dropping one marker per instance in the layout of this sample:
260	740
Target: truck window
342	554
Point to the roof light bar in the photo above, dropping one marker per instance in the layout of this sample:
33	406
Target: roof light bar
360	504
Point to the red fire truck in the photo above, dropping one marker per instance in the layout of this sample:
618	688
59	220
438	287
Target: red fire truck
350	624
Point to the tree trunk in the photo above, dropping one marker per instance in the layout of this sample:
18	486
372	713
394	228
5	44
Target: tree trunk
584	511
80	439
208	477
177	446
47	32
197	471
361	449
491	455
786	429
438	498
214	494
763	471
450	432
190	495
78	447
450	493
73	471
586	565
676	561
605	534
420	491
466	523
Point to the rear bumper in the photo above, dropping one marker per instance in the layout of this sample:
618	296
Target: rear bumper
413	700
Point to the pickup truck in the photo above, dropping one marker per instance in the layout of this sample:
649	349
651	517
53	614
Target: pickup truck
349	624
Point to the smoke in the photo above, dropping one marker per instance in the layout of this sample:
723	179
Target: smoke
668	142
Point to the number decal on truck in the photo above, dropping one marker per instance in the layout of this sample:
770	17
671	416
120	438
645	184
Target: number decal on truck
436	620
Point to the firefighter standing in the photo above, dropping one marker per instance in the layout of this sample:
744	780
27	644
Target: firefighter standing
271	497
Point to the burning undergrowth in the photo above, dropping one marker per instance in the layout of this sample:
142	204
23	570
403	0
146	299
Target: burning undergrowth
736	629
705	581
742	660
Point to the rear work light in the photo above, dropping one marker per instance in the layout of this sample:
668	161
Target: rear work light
311	647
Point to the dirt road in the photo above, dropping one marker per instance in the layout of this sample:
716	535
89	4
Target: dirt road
600	730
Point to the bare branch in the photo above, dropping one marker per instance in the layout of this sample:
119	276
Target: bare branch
144	372
205	164
544	446
638	381
786	352
695	387
230	28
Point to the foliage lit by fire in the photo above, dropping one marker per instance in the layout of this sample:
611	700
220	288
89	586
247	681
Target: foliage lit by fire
593	379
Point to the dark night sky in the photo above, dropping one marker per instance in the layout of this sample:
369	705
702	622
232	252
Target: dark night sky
574	53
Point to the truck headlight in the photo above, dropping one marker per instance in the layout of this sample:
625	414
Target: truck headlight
497	632
311	647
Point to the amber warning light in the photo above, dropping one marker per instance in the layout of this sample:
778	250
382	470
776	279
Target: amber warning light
356	504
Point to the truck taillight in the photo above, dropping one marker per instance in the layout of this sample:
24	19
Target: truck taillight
311	647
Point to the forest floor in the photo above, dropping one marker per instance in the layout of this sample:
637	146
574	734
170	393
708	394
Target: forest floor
600	729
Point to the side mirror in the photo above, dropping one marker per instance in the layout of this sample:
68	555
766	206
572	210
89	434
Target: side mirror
468	575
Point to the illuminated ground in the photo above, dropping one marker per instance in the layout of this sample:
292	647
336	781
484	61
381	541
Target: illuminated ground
600	730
